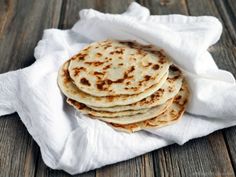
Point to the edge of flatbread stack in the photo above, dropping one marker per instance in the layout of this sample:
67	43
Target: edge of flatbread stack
125	84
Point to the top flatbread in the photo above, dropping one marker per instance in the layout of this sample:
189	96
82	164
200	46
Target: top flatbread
71	91
111	68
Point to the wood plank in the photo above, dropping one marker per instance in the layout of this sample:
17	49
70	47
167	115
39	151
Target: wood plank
230	138
21	25
18	151
137	167
44	171
225	57
199	7
227	10
22	30
72	7
165	7
198	157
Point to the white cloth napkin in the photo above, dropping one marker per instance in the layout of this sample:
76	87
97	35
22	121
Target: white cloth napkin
71	141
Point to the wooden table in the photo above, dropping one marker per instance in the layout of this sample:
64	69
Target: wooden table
21	25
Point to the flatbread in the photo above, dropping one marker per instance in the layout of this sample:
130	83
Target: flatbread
131	128
130	116
113	68
71	91
152	112
169	89
170	116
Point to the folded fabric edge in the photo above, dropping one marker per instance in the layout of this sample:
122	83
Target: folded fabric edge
39	50
137	11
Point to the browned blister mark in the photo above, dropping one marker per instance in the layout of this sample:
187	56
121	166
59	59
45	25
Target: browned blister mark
78	70
106	67
98	73
127	83
94	63
102	85
98	54
147	77
81	56
155	67
110	98
84	81
162	61
170	80
175	78
77	104
107	46
118	51
173	113
147	65
66	76
170	89
87	48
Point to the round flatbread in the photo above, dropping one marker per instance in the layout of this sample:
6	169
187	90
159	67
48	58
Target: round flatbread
71	91
152	112
169	89
113	68
138	115
170	116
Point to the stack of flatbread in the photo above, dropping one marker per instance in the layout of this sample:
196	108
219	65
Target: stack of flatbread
125	84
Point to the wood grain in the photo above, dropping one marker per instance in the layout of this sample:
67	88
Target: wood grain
43	171
18	152
165	7
200	157
137	167
229	135
227	10
71	8
21	26
24	27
